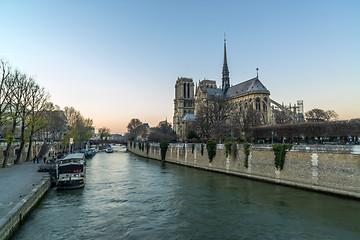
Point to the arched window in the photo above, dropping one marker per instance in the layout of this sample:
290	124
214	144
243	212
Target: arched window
257	104
184	90
265	104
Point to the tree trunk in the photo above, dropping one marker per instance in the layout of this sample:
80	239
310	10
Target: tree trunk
29	149
30	143
7	153
22	142
8	147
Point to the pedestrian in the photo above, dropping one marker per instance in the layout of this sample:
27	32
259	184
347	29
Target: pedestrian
44	159
34	159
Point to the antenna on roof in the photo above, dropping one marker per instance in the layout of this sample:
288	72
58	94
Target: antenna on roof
257	72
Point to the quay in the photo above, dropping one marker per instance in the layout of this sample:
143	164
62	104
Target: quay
321	168
22	187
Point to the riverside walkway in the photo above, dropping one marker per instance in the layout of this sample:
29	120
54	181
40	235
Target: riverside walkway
18	184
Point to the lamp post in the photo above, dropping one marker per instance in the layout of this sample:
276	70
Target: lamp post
70	144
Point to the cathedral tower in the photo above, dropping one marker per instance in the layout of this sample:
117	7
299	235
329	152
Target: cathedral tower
184	102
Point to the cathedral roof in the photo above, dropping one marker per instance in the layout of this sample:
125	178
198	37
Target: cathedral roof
214	92
248	86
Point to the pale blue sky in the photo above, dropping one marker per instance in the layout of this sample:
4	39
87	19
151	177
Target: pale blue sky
115	60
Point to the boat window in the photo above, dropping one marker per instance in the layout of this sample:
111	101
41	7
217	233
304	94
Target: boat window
70	168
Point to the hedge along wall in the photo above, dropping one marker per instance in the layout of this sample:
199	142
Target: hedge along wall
331	169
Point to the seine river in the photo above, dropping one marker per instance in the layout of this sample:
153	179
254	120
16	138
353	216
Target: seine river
130	197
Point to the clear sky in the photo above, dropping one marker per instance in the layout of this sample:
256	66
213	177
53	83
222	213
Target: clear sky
117	60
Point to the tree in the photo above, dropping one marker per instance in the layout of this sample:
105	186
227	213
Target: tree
23	115
37	120
319	115
315	115
5	89
213	118
104	133
86	130
15	98
243	120
133	124
163	132
281	117
135	128
56	125
79	128
330	115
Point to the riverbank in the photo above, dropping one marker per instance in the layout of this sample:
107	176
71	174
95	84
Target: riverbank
329	169
22	187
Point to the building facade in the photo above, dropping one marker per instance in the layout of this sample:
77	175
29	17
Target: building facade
184	104
250	94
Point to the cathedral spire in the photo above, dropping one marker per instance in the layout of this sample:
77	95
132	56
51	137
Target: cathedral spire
225	72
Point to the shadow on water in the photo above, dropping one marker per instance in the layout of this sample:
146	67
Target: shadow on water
130	197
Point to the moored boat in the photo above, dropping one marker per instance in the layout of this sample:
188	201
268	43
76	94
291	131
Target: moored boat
90	153
109	149
71	171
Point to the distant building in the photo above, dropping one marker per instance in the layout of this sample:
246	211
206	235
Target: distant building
117	137
248	94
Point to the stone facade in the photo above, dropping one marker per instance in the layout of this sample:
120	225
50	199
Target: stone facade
184	104
244	95
328	169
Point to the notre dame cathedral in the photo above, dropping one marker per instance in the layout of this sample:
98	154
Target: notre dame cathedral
248	94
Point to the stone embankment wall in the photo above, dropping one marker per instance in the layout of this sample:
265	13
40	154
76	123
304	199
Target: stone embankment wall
35	151
331	169
10	222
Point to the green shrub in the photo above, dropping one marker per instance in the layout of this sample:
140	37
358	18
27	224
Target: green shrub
228	148
279	152
163	147
211	149
191	135
247	153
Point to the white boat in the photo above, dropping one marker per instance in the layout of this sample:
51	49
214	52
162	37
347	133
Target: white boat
70	171
109	150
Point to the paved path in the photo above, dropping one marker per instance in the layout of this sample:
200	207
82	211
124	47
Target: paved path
16	182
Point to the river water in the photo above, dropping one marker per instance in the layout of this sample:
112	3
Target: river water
130	197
